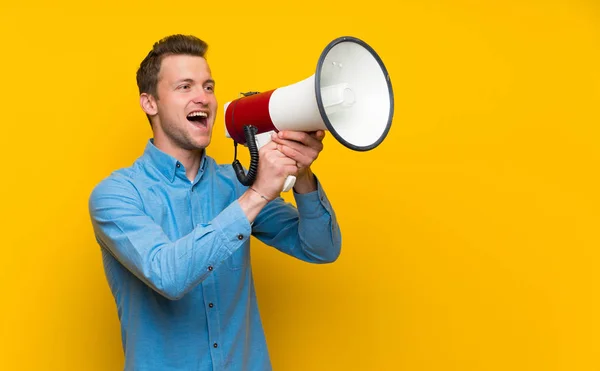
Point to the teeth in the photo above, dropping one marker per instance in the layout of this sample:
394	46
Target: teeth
198	114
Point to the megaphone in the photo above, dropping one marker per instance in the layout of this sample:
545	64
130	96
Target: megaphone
349	95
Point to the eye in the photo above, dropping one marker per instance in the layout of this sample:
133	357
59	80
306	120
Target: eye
209	88
185	87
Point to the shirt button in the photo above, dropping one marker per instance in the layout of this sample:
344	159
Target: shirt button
210	268
178	165
215	345
210	305
240	237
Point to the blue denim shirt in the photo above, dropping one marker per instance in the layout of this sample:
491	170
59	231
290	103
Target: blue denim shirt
177	259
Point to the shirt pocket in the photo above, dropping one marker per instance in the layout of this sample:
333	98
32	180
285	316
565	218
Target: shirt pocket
239	258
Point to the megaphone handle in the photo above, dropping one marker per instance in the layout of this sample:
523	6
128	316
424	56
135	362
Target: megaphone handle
289	183
261	140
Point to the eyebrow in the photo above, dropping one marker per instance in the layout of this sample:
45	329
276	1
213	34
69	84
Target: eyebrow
188	80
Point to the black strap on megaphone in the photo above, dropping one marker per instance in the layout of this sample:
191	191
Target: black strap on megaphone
247	179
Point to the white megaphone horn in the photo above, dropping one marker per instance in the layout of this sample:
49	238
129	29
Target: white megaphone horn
350	95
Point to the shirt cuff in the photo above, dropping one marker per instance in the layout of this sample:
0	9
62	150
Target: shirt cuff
233	226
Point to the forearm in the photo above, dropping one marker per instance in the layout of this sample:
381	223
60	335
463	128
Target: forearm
171	268
309	232
306	183
252	202
318	230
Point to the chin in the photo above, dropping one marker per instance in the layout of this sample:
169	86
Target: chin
201	144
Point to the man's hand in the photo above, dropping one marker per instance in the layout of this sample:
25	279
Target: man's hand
273	169
288	153
304	148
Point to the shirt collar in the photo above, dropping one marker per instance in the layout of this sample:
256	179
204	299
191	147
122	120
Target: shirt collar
167	164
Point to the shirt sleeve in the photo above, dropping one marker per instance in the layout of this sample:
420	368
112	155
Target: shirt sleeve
172	268
309	231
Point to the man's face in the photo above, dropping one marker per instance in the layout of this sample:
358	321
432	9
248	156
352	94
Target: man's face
186	103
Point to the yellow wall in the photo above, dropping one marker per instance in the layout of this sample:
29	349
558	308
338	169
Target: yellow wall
470	236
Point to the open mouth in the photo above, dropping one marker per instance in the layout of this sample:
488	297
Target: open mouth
198	117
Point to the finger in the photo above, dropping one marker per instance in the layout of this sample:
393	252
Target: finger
271	150
291	170
303	157
269	146
287	161
298	136
318	135
277	157
285	166
312	149
314	146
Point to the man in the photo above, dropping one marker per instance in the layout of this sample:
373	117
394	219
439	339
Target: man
174	228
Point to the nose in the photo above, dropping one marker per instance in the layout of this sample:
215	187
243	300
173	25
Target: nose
201	97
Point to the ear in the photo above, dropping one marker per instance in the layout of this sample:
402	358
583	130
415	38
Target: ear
148	104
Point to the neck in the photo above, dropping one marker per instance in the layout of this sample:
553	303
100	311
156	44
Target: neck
191	162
